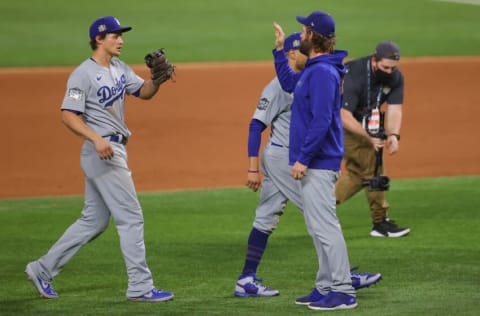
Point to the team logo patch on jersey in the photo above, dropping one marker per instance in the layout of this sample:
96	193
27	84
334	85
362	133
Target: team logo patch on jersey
263	104
75	94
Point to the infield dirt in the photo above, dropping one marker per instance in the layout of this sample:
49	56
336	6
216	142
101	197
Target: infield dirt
193	133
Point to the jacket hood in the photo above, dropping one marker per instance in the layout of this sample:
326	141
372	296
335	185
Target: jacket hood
335	59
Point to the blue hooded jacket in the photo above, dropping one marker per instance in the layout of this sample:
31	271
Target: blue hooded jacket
316	134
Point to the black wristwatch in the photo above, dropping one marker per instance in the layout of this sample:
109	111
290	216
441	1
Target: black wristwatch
396	135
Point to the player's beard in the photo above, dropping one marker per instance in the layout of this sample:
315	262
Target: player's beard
305	47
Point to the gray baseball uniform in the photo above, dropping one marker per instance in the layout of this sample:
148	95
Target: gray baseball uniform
278	186
99	94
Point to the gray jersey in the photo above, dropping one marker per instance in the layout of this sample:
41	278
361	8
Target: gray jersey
274	109
99	93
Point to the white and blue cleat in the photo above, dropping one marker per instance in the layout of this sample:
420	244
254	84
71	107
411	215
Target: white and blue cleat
155	295
44	288
362	280
248	285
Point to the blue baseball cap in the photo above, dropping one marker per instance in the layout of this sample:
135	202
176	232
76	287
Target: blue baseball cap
321	22
292	42
106	24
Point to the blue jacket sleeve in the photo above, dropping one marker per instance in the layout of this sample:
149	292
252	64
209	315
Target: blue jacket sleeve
255	137
287	77
322	88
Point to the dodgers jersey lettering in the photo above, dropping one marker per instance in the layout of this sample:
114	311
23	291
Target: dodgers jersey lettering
99	93
274	109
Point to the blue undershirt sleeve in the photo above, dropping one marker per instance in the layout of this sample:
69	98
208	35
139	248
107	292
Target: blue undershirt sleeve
73	111
255	137
137	93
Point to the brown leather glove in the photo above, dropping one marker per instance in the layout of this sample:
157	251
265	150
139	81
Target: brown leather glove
160	68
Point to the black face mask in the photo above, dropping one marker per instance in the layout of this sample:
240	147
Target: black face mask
382	77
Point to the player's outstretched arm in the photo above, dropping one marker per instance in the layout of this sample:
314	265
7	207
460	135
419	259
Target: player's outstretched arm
148	90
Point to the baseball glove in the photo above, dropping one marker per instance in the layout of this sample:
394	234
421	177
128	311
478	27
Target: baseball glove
160	68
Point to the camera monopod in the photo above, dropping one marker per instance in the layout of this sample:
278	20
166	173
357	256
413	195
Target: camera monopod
378	182
379	153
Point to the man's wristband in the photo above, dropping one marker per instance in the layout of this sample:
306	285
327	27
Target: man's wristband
396	135
252	171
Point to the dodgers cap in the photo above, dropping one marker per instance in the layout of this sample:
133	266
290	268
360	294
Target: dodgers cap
107	24
321	22
292	42
387	49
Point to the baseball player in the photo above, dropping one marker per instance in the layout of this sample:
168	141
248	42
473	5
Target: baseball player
93	108
274	110
371	81
315	153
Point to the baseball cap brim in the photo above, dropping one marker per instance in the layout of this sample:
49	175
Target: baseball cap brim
302	20
121	29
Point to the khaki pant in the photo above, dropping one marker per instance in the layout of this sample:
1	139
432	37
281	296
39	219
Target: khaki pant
359	162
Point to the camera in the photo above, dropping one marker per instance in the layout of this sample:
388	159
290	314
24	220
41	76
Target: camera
377	183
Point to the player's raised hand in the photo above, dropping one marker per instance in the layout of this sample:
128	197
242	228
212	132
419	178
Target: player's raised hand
279	36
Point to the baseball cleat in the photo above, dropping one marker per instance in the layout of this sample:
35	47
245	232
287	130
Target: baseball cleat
314	296
388	229
44	288
154	295
249	285
333	301
362	280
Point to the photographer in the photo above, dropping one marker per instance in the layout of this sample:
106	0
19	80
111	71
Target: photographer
371	81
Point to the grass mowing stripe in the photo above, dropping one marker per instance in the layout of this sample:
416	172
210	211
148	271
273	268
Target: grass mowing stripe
36	34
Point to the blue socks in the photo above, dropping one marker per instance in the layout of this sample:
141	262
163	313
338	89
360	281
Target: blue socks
257	242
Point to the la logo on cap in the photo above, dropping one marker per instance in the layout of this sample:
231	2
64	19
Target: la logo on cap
102	28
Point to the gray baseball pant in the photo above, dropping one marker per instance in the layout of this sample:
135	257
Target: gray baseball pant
109	191
278	187
318	189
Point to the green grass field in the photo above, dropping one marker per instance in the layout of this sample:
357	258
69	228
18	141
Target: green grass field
196	241
55	32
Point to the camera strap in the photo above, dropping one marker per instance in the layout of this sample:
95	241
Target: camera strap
371	122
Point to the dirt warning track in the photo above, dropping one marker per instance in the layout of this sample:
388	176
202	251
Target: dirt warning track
193	134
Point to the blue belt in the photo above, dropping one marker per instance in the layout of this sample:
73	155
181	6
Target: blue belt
278	145
118	138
